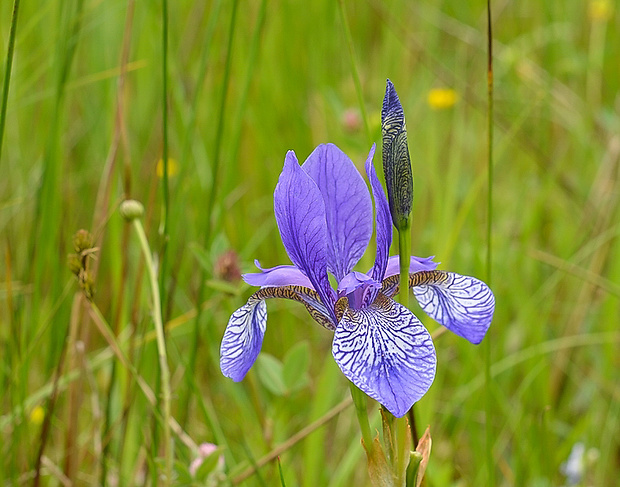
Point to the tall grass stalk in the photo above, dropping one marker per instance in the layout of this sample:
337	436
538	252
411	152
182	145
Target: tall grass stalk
165	188
215	172
101	207
161	348
487	343
7	70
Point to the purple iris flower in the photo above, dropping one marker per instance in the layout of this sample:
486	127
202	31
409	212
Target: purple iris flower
324	213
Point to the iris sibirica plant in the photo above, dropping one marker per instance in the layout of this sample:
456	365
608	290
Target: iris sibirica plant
325	216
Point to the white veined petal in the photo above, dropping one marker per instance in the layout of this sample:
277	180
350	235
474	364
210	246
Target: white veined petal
243	339
463	304
386	352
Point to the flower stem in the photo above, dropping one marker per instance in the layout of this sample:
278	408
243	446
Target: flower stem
404	256
402	445
359	400
161	347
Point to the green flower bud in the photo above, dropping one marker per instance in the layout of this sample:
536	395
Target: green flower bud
131	209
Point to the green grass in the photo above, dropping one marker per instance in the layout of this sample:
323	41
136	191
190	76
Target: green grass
242	89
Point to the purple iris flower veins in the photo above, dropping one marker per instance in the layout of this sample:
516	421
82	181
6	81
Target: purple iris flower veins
325	216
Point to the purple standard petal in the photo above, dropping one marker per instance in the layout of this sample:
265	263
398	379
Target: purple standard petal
300	214
463	304
243	339
281	275
348	209
383	221
386	352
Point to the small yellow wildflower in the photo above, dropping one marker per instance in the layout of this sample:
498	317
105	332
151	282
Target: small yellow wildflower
442	98
37	415
600	10
173	168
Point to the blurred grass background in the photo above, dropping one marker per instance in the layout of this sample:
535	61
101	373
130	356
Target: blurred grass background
247	81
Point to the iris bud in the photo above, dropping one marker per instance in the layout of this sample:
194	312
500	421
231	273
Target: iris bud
396	160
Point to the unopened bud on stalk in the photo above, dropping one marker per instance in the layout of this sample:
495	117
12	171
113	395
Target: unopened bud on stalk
396	161
131	209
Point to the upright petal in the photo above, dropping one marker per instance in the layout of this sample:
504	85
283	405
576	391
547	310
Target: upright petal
386	352
383	221
281	275
300	214
463	304
348	209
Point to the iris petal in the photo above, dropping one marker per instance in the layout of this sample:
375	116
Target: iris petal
244	334
243	339
463	304
416	264
392	273
386	352
383	221
281	275
300	214
348	209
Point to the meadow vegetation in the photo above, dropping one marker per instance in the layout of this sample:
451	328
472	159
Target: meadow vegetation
246	81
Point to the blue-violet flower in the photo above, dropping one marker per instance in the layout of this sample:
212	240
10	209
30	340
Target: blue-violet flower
324	213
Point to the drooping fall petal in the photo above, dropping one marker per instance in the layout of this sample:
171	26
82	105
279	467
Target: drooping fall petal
386	352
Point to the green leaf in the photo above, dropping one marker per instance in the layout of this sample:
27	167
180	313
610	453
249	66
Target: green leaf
295	366
269	371
183	477
208	465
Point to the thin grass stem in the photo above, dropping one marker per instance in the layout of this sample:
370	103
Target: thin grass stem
161	347
214	181
7	71
165	150
487	347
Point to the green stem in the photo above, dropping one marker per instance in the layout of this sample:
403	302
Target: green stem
165	190
161	346
7	71
210	209
402	445
404	256
487	346
359	400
